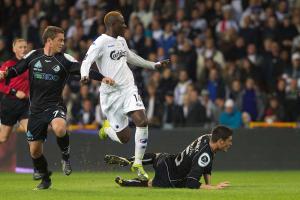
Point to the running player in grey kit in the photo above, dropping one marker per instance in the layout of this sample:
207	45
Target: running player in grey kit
49	70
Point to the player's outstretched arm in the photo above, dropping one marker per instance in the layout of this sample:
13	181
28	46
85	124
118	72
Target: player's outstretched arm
162	63
14	71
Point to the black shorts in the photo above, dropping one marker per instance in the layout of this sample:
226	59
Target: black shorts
38	122
162	171
13	110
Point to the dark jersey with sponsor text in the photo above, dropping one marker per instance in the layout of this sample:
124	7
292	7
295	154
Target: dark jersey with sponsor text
47	77
187	167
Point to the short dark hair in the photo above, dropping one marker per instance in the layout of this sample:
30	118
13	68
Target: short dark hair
108	18
221	132
16	40
51	32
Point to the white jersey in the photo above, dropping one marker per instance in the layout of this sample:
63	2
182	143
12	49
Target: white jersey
111	56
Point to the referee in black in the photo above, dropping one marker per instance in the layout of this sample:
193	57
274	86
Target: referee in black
49	70
185	169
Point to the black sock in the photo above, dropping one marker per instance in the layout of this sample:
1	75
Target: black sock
41	165
148	158
134	183
64	145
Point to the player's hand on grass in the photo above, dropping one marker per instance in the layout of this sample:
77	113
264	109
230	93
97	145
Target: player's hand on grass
20	95
108	81
223	185
162	63
219	186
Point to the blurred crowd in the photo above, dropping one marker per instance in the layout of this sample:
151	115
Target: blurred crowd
232	61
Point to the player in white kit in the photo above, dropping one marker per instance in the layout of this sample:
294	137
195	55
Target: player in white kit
111	54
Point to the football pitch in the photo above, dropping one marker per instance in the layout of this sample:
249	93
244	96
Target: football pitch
100	185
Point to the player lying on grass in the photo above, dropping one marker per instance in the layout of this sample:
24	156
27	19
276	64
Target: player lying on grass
182	170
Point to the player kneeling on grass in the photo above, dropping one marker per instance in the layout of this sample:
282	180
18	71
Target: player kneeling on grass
182	170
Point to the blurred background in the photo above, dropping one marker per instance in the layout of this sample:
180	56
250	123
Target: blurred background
232	62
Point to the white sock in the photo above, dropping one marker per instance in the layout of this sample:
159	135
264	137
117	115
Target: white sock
112	134
141	140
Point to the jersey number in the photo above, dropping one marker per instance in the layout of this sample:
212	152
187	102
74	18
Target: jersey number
137	98
179	158
55	113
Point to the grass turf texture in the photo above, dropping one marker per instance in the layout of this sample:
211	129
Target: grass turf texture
244	185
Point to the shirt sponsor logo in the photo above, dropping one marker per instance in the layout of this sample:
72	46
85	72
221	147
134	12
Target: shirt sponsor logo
56	68
37	66
116	55
204	160
47	61
44	76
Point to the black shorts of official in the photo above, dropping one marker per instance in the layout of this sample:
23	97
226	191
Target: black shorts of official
38	122
162	173
13	110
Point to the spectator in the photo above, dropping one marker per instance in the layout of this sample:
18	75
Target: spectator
87	114
181	87
210	52
167	40
167	82
187	57
273	67
210	108
153	107
231	117
143	13
251	102
292	99
215	85
195	113
287	32
157	32
227	23
294	71
236	93
172	114
274	111
246	119
280	91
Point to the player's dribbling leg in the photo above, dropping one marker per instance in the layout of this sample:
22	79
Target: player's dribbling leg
62	137
40	163
107	131
36	175
141	140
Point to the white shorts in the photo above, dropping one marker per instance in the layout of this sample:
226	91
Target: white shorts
116	103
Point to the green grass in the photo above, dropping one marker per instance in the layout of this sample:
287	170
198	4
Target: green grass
244	185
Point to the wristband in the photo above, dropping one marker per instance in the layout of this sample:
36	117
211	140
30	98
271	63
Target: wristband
13	92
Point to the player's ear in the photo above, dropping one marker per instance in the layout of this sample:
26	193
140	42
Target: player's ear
49	40
220	142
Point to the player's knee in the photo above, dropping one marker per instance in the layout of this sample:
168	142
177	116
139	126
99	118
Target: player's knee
3	138
35	154
59	131
142	122
124	139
